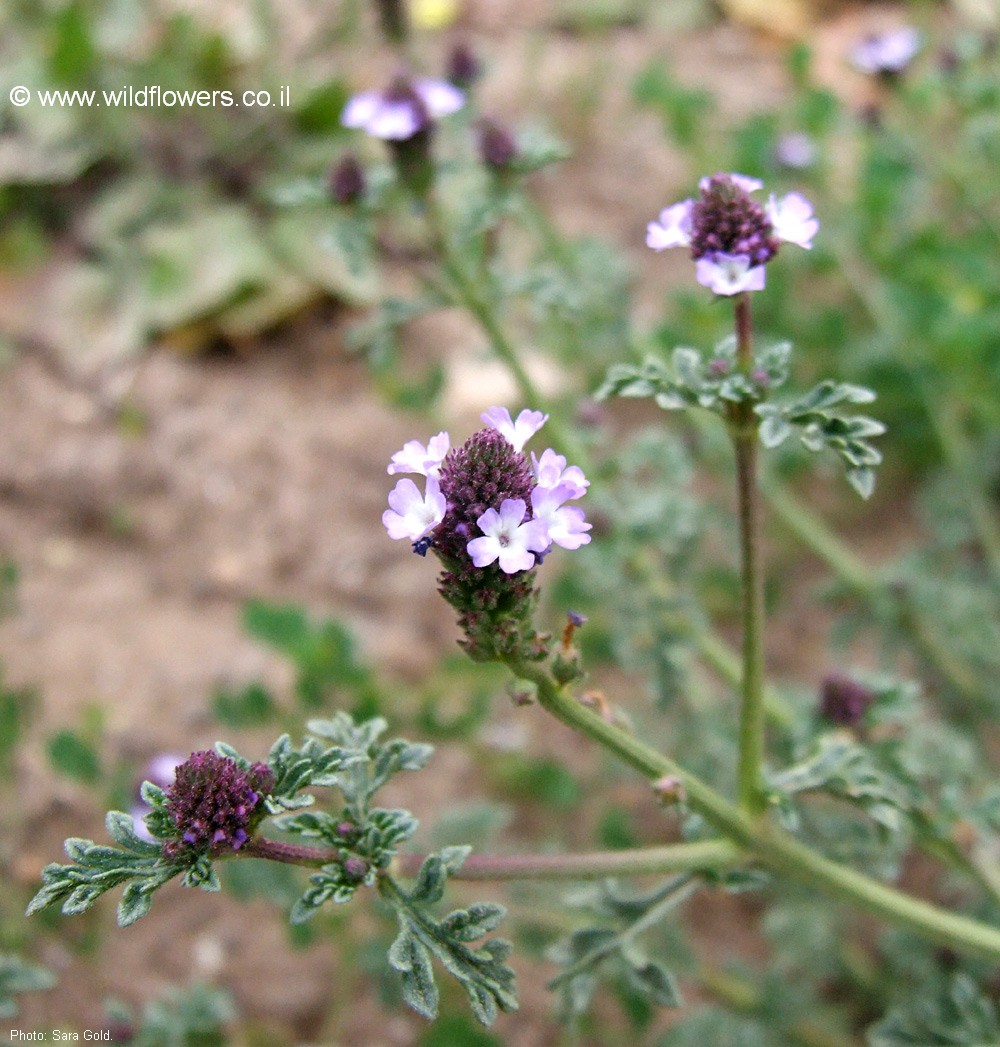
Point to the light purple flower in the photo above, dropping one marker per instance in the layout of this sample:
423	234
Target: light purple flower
673	228
795	150
516	433
887	52
416	458
729	274
508	539
792	219
412	514
564	524
404	109
551	471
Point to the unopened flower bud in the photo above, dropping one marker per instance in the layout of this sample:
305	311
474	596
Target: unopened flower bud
463	68
844	700
347	181
355	868
497	148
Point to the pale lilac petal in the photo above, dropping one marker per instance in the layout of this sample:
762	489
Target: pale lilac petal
516	433
395	121
440	97
551	470
160	769
792	219
415	458
483	550
360	109
514	558
411	514
729	274
673	228
565	524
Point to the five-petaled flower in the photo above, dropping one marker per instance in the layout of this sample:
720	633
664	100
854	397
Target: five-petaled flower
508	538
411	514
730	235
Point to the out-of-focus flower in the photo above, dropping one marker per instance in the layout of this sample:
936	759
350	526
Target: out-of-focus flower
730	235
795	151
404	109
887	53
433	14
551	471
792	219
160	771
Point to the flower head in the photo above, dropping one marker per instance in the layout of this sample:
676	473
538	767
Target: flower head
730	235
887	53
490	515
411	514
212	802
404	109
508	538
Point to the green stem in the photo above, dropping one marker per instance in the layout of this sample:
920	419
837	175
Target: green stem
743	428
677	857
771	846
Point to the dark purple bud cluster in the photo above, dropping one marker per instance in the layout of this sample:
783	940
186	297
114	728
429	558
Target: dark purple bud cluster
214	803
843	700
726	220
494	608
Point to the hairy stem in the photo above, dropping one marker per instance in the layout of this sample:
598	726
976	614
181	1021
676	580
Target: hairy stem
771	846
677	857
743	428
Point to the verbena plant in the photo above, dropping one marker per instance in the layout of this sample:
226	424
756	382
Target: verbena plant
807	801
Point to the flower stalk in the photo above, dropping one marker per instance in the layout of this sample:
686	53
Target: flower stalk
743	429
770	846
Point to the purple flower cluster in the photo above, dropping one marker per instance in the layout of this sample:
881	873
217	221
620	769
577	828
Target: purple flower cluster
490	513
487	502
730	235
212	802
